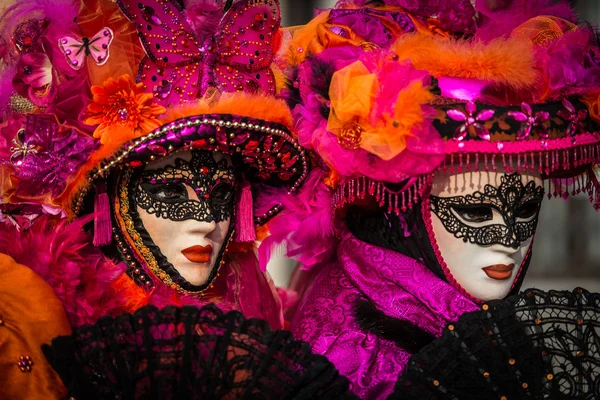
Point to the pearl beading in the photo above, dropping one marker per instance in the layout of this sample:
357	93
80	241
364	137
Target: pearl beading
210	130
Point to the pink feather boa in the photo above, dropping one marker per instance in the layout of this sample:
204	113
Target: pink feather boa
7	74
305	226
62	254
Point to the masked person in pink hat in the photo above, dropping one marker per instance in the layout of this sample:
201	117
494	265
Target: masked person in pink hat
132	136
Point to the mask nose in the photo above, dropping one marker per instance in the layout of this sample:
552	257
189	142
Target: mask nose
200	228
512	245
511	249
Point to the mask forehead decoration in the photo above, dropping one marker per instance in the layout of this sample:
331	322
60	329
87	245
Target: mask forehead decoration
163	192
470	217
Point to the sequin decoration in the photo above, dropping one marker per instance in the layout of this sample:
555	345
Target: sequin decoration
350	136
472	123
27	35
25	363
181	66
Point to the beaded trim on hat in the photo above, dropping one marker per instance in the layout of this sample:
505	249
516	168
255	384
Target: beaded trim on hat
266	147
412	192
544	162
558	139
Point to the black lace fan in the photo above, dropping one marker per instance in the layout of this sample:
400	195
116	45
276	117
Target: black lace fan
534	345
191	353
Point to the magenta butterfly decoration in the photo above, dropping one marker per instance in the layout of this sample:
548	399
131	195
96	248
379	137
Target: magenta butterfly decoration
233	56
77	49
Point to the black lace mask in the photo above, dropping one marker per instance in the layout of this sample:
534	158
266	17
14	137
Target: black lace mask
163	192
466	216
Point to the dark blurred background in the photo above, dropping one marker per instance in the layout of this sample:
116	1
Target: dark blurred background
567	244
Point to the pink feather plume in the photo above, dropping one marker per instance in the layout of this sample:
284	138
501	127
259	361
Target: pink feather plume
500	18
305	226
63	255
204	16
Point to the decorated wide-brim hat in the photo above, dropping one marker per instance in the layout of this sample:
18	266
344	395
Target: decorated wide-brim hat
229	69
103	85
260	139
389	93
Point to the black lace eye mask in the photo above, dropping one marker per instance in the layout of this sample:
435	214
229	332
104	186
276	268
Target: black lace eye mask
164	192
469	217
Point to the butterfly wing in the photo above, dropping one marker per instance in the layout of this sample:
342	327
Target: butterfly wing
99	44
170	85
74	51
173	51
231	79
245	45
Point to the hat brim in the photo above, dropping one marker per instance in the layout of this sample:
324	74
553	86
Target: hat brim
267	148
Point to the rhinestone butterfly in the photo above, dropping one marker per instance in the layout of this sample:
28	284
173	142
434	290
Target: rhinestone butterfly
77	49
181	66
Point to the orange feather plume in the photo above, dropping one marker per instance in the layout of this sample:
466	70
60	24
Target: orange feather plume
502	61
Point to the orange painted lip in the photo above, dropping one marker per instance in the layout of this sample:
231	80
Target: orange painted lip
499	271
198	254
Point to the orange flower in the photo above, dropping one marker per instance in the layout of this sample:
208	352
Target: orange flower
369	113
122	110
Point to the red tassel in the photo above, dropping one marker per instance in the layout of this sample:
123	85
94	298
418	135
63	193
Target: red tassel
102	221
244	216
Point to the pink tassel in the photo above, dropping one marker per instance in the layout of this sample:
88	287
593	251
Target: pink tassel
244	216
102	221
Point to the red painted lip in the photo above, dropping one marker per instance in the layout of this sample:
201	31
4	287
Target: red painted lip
499	271
198	254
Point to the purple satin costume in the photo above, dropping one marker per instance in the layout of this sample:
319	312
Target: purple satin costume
395	284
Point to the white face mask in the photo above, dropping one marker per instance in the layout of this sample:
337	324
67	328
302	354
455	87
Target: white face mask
483	224
185	203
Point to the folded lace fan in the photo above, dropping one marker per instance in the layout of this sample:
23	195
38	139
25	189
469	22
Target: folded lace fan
534	345
191	353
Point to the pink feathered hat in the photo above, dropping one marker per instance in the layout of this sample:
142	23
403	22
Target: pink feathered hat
387	93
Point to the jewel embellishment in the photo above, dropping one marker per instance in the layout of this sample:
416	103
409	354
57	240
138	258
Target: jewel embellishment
22	148
350	136
530	121
576	118
25	363
472	123
123	114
